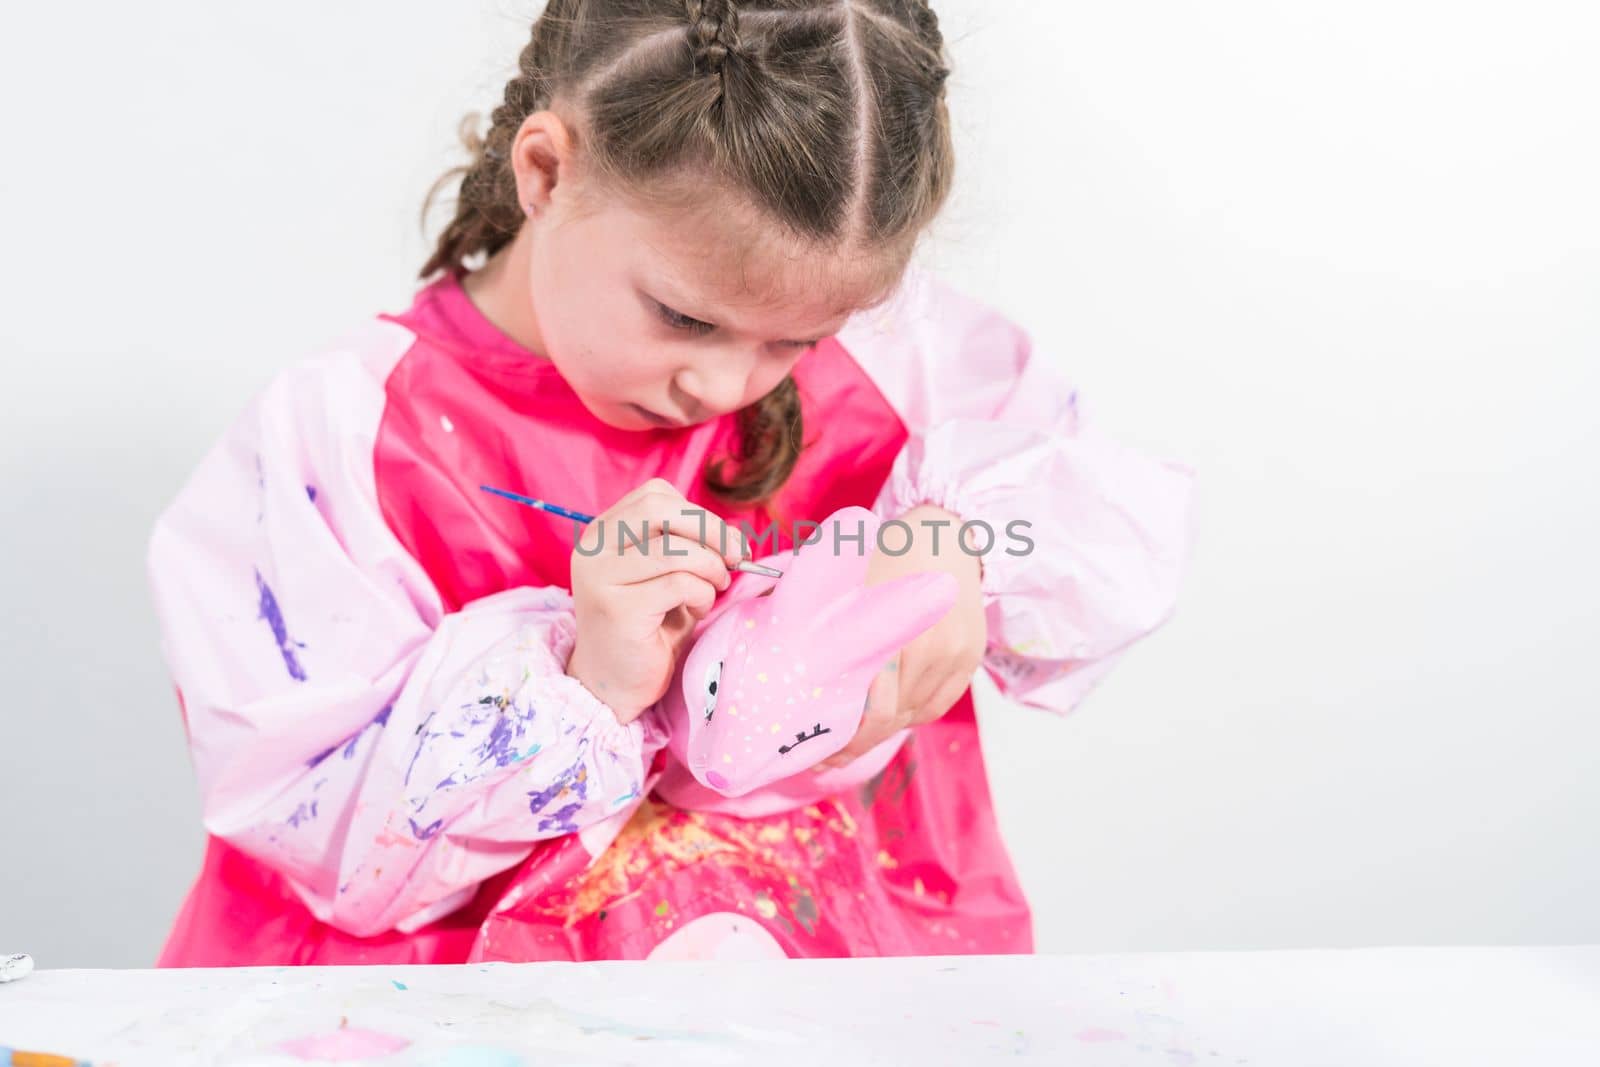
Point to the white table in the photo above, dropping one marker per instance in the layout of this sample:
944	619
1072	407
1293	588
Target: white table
1360	1008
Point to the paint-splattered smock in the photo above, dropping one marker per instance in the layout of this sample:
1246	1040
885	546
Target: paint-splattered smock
369	651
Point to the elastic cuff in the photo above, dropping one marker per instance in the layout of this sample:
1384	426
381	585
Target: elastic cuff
903	496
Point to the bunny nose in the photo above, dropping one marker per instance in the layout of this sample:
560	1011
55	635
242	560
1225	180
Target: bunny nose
716	780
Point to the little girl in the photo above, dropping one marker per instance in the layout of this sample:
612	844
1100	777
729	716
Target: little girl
417	711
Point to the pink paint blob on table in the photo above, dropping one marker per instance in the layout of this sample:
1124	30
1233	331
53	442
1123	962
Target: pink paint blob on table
345	1045
1097	1034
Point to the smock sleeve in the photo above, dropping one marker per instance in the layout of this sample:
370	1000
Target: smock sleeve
1083	541
384	755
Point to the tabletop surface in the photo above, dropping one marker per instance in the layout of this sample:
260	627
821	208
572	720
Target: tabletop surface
1367	1007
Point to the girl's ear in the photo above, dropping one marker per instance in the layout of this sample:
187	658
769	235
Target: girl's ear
541	157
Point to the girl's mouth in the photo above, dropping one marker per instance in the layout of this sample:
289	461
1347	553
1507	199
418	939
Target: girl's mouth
659	420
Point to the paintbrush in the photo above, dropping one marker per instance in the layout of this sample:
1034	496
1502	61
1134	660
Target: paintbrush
577	516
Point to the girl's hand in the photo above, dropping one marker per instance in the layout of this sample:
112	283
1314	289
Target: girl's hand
929	675
638	598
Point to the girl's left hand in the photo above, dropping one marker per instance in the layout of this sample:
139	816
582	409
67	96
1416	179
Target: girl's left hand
928	675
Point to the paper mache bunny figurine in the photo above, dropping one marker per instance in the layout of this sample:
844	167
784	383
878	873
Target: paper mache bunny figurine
775	684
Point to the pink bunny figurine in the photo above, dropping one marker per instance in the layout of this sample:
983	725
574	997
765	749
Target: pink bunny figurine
775	684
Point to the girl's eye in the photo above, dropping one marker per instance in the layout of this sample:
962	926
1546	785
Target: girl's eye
679	321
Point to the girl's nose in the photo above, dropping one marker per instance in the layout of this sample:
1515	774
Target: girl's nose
716	384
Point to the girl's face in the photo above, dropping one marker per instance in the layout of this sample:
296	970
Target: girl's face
663	317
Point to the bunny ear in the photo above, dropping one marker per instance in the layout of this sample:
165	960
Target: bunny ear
821	574
882	619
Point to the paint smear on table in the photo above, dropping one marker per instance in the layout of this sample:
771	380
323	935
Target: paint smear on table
1096	1033
345	1045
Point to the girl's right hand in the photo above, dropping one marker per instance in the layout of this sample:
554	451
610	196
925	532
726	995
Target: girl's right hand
637	598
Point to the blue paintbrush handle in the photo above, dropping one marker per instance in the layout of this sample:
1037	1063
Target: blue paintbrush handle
554	509
577	516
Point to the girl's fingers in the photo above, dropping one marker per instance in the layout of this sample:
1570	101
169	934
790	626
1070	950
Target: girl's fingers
662	594
656	506
667	555
918	679
880	719
935	669
943	698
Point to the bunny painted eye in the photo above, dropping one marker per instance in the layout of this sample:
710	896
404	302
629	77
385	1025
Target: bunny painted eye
709	689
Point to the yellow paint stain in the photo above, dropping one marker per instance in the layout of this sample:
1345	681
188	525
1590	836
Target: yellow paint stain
918	888
843	825
774	727
749	624
762	677
886	861
660	840
816	692
726	758
733	711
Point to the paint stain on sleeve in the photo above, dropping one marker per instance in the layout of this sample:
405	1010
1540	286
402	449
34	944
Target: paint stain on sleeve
268	608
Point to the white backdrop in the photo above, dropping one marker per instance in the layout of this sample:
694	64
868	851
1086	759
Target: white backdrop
1343	258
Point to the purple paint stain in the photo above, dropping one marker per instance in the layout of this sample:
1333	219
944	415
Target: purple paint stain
562	819
280	632
423	833
575	778
304	813
320	756
355	738
420	746
538	799
261	484
502	742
